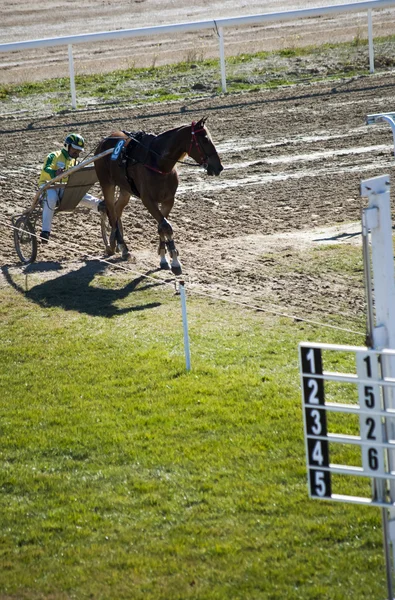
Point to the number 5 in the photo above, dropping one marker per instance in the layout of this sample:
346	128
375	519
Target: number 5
369	396
319	483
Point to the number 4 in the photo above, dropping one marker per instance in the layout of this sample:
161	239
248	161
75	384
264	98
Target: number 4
317	455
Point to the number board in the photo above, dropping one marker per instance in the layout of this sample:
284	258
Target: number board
371	428
371	414
315	423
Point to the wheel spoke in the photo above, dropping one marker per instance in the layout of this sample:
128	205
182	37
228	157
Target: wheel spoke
25	240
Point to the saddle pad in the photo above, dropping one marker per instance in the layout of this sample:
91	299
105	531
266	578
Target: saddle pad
78	184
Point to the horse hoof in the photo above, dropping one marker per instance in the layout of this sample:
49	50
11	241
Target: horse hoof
126	255
164	266
176	270
109	251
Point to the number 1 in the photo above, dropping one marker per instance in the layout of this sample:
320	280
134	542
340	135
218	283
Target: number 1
368	366
310	357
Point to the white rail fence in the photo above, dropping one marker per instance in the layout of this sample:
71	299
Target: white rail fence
218	24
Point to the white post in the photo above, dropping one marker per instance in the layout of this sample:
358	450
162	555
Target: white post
185	327
370	37
222	58
72	81
378	222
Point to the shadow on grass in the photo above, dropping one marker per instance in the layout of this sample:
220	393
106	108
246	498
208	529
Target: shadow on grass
73	291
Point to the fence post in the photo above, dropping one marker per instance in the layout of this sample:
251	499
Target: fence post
72	81
185	326
222	58
370	36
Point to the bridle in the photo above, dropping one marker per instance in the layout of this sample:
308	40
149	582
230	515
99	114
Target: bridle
195	142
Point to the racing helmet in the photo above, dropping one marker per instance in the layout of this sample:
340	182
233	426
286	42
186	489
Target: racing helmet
75	141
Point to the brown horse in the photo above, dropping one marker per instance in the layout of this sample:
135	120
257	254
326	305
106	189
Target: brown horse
145	165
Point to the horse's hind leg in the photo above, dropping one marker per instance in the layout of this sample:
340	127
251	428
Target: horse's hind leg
108	193
120	204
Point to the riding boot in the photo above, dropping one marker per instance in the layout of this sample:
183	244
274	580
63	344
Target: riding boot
44	237
89	201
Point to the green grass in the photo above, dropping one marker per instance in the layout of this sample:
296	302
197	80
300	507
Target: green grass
124	476
198	76
344	260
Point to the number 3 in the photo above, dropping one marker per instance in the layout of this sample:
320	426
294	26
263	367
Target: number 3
317	427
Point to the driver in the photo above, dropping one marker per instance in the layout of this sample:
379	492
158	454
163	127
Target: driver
54	164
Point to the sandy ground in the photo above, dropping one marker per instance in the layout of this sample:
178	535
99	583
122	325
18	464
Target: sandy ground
293	159
46	19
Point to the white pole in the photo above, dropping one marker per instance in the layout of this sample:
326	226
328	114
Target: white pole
378	221
222	58
72	81
370	36
185	326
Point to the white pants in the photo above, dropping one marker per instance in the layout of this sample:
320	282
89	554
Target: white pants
51	200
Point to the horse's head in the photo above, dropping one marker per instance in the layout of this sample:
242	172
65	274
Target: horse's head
203	150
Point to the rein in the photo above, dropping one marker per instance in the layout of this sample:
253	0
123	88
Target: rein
194	142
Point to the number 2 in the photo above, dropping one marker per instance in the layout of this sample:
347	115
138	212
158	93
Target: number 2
313	386
371	427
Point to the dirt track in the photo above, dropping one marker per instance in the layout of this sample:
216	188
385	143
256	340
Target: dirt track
293	162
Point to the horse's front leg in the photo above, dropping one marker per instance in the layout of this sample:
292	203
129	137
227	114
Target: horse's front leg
165	231
163	263
166	241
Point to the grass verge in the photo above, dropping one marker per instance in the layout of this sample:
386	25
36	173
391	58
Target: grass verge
124	476
201	77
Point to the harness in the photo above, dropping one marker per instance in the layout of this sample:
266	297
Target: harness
126	155
137	150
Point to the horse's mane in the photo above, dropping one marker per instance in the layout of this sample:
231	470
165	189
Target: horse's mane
170	132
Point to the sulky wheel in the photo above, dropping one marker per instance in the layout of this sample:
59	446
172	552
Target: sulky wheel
25	240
